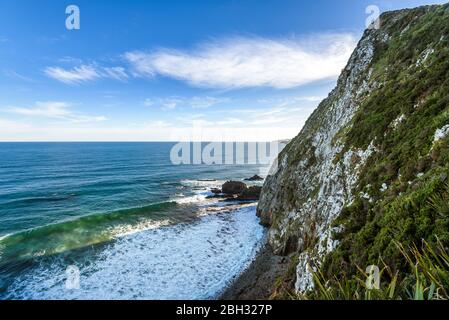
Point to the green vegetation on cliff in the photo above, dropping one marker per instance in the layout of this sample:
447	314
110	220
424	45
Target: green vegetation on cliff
366	182
405	182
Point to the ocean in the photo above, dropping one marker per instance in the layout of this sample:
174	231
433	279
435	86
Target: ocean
118	221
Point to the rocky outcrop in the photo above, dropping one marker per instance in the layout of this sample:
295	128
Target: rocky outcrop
233	187
236	191
215	191
250	194
319	172
255	178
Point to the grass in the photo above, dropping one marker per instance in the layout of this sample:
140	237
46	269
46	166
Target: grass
428	279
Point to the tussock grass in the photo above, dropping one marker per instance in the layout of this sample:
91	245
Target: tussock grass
428	279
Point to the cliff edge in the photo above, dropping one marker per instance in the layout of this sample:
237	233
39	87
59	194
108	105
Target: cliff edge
362	170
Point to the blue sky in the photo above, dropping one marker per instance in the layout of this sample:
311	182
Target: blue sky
172	70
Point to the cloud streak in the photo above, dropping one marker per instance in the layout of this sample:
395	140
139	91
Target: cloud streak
249	62
54	110
197	102
76	75
85	73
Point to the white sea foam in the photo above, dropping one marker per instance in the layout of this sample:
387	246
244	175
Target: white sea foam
192	199
201	190
4	236
182	261
128	229
202	183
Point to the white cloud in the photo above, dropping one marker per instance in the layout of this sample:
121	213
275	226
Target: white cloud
206	102
85	73
230	121
73	76
158	124
15	131
54	110
7	125
279	122
141	63
117	73
197	102
171	103
43	109
309	98
250	62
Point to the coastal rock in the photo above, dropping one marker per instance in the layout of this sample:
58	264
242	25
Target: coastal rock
250	194
236	191
254	178
233	187
216	194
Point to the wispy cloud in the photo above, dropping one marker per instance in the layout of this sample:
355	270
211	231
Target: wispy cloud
170	103
85	73
73	76
309	98
228	64
54	110
3	39
230	122
198	102
117	73
289	112
206	102
278	122
15	75
291	100
250	62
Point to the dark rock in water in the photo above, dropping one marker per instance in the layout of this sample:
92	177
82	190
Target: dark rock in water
233	187
250	194
254	178
236	191
217	196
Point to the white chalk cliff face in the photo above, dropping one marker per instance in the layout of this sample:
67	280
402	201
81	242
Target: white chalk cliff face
378	142
315	176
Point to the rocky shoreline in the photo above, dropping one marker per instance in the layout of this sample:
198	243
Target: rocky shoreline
257	281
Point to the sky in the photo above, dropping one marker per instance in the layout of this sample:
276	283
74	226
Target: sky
247	70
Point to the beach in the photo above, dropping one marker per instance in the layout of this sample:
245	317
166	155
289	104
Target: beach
257	280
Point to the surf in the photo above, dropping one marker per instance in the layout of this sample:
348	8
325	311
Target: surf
86	231
195	260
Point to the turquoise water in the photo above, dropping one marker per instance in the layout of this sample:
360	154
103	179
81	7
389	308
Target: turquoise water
136	226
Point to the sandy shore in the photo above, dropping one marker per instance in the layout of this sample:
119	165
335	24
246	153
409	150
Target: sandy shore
256	282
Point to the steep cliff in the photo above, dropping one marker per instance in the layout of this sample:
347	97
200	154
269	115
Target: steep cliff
363	169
